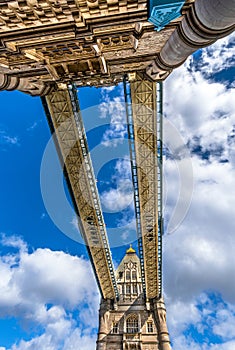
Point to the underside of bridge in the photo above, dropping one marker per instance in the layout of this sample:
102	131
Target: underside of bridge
46	43
144	114
48	48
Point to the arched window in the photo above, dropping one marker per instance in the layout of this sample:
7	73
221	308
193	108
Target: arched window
128	275
128	289
132	324
134	288
134	275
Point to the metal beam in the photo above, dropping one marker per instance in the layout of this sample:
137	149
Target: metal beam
144	114
65	119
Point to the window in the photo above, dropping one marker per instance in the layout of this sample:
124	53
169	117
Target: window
115	328
150	327
134	276
128	275
132	324
134	288
128	289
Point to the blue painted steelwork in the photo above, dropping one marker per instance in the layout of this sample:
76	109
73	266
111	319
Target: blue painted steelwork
162	12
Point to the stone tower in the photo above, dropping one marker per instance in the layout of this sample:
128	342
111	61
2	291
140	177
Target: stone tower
132	323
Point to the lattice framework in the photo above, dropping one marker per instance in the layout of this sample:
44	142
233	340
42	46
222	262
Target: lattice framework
145	135
64	116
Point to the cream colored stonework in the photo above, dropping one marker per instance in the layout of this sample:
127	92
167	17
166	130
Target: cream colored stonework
96	42
131	323
89	42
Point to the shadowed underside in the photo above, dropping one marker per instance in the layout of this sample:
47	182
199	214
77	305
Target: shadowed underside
46	43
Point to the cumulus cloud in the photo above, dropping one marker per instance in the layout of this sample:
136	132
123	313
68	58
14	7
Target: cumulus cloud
48	290
218	57
120	194
199	256
205	318
113	109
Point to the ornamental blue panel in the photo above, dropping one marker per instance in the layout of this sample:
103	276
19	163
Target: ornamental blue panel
162	12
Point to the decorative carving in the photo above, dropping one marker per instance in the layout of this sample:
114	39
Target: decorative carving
116	42
28	85
67	51
156	72
51	40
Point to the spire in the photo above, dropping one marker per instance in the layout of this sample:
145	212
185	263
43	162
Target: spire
130	250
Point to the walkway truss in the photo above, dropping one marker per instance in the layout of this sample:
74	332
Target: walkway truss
144	128
63	112
144	119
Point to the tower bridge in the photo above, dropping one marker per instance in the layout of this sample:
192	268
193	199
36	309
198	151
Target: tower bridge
48	48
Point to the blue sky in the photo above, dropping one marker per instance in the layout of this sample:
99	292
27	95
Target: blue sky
48	296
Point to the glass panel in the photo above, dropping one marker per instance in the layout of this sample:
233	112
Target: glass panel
115	328
150	327
128	289
128	275
134	275
132	324
134	287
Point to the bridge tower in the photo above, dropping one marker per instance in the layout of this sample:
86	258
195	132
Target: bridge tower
48	48
132	323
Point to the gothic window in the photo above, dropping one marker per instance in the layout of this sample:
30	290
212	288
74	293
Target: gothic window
115	328
134	276
132	324
150	327
134	288
128	275
128	289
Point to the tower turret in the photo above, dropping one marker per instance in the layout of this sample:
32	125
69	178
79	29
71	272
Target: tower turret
131	324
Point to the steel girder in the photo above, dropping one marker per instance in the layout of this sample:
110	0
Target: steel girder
62	109
145	134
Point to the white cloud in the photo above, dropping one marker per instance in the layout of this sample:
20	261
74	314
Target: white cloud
200	108
113	109
206	317
44	288
8	139
218	57
13	241
199	256
120	194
